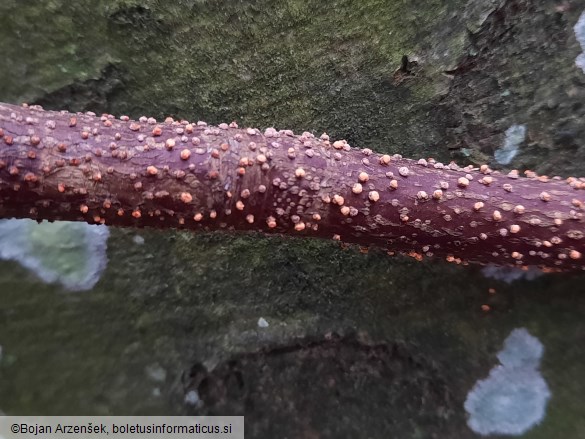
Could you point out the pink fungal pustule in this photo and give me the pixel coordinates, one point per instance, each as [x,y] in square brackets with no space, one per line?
[196,176]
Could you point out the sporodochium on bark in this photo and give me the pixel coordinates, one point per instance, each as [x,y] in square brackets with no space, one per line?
[149,173]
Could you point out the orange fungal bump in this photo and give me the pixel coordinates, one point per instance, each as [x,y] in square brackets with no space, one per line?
[363,177]
[30,177]
[385,159]
[244,161]
[519,209]
[151,170]
[545,196]
[374,196]
[185,154]
[35,140]
[271,222]
[299,173]
[477,206]
[462,182]
[514,228]
[186,197]
[357,188]
[299,227]
[496,215]
[338,199]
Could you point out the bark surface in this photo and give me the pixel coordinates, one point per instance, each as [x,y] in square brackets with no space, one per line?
[116,171]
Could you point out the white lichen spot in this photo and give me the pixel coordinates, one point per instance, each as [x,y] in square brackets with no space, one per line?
[192,397]
[71,253]
[510,274]
[580,35]
[156,372]
[513,398]
[515,135]
[139,240]
[262,323]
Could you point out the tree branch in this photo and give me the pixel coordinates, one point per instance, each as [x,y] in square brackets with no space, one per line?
[81,167]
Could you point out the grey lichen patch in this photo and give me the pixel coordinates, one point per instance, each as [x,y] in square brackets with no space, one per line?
[579,29]
[513,398]
[73,254]
[514,137]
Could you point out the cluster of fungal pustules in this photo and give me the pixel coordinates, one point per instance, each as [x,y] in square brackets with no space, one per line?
[117,171]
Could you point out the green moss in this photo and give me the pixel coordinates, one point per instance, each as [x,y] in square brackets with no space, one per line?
[183,297]
[47,48]
[295,64]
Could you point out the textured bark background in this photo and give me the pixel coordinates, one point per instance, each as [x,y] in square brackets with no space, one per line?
[440,79]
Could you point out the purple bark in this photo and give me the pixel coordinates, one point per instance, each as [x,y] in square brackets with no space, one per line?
[147,173]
